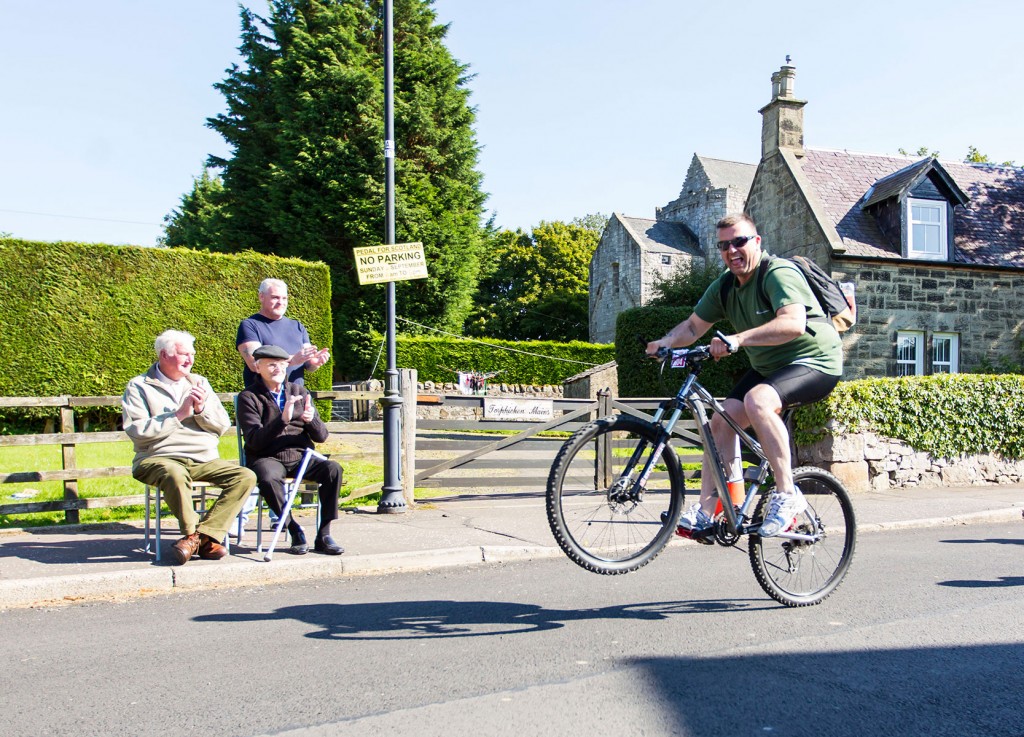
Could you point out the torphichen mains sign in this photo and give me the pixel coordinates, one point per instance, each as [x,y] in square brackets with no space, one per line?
[520,410]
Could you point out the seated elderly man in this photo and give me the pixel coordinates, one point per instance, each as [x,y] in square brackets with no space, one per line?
[175,420]
[278,421]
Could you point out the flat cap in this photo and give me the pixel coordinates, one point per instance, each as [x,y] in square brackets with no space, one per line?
[271,351]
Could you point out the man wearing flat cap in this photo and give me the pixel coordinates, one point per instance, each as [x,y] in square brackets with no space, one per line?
[278,422]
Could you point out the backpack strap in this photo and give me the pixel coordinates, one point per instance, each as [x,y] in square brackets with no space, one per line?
[762,292]
[762,274]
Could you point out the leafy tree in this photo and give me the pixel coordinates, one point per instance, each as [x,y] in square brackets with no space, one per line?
[535,287]
[974,156]
[595,222]
[686,286]
[305,123]
[922,151]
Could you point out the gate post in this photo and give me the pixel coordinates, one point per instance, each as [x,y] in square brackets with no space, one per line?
[407,381]
[67,425]
[603,454]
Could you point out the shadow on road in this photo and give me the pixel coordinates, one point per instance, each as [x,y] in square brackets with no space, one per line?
[929,691]
[441,618]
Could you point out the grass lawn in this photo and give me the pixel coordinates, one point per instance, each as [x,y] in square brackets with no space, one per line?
[359,472]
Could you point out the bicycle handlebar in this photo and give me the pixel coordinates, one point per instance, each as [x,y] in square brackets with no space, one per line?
[692,355]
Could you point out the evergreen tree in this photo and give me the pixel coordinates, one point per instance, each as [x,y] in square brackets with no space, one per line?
[305,123]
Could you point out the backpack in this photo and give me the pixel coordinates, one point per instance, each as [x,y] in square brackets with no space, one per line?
[836,300]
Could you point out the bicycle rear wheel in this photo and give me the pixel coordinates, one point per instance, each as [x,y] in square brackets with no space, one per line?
[798,573]
[600,516]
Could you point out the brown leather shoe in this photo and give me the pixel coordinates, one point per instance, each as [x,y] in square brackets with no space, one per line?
[210,549]
[183,550]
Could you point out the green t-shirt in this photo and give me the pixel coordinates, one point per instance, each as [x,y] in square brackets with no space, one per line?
[784,285]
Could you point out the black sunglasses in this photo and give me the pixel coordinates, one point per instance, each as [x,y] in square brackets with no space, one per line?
[737,242]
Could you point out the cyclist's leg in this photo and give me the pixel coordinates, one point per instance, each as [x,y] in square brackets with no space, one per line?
[726,440]
[789,387]
[728,444]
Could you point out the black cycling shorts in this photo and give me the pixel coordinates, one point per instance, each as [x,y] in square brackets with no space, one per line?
[795,384]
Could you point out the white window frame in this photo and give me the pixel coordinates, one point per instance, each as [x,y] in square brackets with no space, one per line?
[917,250]
[912,365]
[946,364]
[666,259]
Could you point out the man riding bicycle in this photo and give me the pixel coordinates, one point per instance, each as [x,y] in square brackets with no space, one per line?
[791,364]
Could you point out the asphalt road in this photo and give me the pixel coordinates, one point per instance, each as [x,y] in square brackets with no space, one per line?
[925,637]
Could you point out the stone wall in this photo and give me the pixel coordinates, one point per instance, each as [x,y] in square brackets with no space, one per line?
[607,299]
[430,411]
[865,461]
[785,220]
[700,206]
[985,307]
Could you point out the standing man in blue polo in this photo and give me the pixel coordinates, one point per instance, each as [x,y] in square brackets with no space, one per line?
[269,326]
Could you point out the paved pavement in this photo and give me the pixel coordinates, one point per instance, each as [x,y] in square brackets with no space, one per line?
[47,567]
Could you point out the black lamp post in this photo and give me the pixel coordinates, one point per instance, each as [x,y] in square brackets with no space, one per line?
[391,500]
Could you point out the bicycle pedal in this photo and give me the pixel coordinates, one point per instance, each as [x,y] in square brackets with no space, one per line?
[704,537]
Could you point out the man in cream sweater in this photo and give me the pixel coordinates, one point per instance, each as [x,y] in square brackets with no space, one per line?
[175,419]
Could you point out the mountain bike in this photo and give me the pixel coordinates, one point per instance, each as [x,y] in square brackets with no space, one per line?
[616,490]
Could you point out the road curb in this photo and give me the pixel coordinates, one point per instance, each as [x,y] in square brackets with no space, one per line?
[991,515]
[59,590]
[62,590]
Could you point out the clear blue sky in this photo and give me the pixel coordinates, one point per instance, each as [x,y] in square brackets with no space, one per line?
[583,105]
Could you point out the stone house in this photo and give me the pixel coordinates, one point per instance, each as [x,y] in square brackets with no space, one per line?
[935,248]
[635,253]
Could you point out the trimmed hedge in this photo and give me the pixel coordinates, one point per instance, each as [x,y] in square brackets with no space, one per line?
[80,319]
[639,376]
[946,415]
[437,359]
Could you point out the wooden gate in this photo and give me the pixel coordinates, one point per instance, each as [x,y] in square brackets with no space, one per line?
[463,455]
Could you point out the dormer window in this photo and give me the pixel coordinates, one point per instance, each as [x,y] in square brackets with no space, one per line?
[926,231]
[913,208]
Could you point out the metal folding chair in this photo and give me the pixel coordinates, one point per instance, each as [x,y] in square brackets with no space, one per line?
[200,490]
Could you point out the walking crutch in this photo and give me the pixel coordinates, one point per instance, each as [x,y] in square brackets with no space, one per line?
[295,484]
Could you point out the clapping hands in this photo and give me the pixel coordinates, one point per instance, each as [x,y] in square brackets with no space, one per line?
[291,406]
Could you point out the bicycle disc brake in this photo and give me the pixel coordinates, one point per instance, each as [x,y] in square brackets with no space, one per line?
[621,497]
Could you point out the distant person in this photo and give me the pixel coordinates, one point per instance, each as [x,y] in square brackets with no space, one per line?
[269,326]
[278,421]
[175,420]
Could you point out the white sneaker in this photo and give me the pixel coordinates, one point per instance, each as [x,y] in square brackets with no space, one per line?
[695,519]
[783,510]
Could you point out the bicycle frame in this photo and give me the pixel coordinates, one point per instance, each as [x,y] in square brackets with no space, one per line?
[694,397]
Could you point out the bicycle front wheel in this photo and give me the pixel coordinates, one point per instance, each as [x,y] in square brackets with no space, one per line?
[801,573]
[601,514]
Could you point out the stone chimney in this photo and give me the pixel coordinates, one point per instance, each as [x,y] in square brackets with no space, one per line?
[782,119]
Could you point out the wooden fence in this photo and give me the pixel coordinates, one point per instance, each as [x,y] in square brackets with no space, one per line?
[451,453]
[70,474]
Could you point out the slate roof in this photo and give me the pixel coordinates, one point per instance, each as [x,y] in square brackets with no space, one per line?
[724,174]
[658,235]
[989,230]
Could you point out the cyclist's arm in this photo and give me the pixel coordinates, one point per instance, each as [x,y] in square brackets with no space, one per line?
[685,333]
[790,323]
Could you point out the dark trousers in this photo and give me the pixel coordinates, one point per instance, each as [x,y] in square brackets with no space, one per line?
[271,473]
